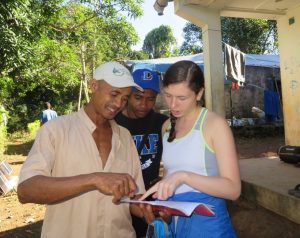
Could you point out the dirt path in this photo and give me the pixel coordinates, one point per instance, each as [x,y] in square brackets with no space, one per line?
[17,220]
[22,221]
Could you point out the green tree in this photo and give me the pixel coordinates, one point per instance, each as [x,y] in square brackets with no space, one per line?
[21,22]
[251,36]
[192,40]
[104,31]
[138,55]
[159,42]
[47,40]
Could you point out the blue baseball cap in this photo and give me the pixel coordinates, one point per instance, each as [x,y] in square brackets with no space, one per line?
[146,79]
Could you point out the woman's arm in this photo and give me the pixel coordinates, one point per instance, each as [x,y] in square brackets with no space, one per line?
[227,185]
[219,138]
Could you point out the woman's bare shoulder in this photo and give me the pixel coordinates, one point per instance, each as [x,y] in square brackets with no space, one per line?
[214,121]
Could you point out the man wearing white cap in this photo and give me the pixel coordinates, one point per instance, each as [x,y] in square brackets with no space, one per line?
[82,162]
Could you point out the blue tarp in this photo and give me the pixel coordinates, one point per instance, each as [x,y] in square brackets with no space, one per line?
[159,67]
[162,64]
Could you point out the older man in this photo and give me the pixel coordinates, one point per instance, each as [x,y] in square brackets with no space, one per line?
[82,162]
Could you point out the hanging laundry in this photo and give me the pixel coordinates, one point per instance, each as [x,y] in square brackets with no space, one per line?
[271,105]
[234,65]
[235,86]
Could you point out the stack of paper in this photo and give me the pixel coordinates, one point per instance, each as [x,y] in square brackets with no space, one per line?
[7,182]
[177,208]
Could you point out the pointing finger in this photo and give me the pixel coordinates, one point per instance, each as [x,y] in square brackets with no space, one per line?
[149,192]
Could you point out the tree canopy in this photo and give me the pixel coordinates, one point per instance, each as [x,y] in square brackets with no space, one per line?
[251,36]
[49,48]
[159,42]
[192,39]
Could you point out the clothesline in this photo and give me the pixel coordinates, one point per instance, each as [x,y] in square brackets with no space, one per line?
[251,57]
[256,86]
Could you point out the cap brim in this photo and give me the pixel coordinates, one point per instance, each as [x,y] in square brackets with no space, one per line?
[124,85]
[138,87]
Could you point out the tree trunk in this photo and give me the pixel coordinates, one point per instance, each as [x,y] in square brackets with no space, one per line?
[84,77]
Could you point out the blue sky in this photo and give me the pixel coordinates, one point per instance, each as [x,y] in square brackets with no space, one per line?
[151,20]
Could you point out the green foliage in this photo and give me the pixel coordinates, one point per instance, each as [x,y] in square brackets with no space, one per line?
[54,78]
[176,52]
[33,127]
[3,135]
[40,50]
[117,41]
[21,22]
[138,55]
[192,36]
[249,35]
[159,42]
[6,84]
[3,138]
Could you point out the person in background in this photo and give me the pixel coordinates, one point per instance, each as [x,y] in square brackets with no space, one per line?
[47,114]
[199,156]
[145,127]
[82,164]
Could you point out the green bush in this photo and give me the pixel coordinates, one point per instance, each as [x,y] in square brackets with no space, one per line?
[3,138]
[33,127]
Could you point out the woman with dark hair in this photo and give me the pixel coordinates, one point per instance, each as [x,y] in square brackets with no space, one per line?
[199,156]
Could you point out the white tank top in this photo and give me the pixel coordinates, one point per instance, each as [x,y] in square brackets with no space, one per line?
[190,153]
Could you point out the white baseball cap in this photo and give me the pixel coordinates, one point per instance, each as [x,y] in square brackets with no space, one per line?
[116,75]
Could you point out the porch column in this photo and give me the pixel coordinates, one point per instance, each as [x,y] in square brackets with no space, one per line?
[210,23]
[289,48]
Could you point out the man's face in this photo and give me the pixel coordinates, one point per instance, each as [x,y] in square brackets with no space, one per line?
[141,103]
[108,100]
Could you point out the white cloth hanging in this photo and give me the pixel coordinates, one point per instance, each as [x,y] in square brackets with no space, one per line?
[234,64]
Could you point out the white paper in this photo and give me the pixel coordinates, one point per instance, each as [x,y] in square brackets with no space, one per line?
[7,182]
[186,207]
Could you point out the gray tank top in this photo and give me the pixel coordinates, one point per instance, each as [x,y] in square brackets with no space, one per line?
[190,153]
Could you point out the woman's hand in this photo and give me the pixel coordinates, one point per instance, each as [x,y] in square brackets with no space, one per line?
[165,188]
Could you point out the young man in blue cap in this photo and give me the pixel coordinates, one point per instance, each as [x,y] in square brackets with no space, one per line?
[145,126]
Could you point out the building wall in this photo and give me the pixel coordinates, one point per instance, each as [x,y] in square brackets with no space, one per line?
[246,97]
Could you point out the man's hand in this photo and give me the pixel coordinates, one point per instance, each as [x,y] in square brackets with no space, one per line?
[147,213]
[143,211]
[116,184]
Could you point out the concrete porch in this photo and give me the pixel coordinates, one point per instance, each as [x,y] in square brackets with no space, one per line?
[266,181]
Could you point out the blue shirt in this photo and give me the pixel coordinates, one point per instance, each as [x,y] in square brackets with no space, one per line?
[47,115]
